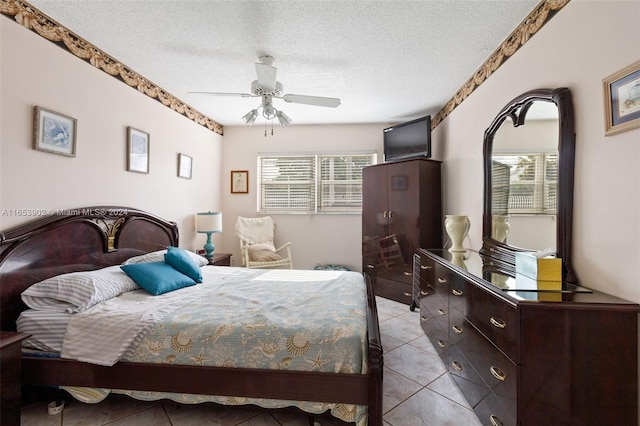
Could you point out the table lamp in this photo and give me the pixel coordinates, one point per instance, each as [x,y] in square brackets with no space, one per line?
[209,223]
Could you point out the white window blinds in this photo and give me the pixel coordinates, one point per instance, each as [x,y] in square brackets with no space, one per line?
[311,183]
[532,184]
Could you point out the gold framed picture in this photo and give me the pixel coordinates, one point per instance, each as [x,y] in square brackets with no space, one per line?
[622,100]
[239,181]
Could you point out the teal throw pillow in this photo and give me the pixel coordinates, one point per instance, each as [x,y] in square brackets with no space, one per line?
[157,277]
[181,261]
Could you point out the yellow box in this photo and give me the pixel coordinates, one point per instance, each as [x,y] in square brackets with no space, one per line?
[539,268]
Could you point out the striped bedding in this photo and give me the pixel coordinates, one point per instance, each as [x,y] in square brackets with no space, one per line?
[277,319]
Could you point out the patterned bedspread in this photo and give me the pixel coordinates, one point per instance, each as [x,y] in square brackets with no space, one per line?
[276,319]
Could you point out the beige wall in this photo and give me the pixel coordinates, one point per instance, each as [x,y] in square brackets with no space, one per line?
[35,72]
[584,43]
[319,238]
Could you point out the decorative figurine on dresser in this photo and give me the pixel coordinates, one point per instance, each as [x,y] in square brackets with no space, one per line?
[401,212]
[528,346]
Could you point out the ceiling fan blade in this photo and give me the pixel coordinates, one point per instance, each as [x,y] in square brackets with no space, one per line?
[312,100]
[241,95]
[266,76]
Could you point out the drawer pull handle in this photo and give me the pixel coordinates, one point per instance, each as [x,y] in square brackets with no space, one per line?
[426,267]
[424,293]
[498,373]
[456,366]
[495,421]
[442,311]
[370,266]
[442,343]
[441,280]
[423,318]
[408,274]
[497,322]
[456,329]
[407,294]
[456,292]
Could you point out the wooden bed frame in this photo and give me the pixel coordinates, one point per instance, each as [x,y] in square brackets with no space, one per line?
[90,238]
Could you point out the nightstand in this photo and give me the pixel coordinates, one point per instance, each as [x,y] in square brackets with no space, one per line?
[10,386]
[220,259]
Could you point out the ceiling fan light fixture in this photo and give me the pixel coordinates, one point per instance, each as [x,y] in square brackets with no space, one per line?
[269,112]
[250,117]
[283,118]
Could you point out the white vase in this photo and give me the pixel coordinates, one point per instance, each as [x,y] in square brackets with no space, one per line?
[500,228]
[457,227]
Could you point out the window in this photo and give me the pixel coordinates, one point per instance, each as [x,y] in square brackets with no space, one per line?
[311,183]
[532,183]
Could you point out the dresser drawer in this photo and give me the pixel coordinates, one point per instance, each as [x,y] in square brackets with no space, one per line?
[495,369]
[464,375]
[495,318]
[435,327]
[494,410]
[395,290]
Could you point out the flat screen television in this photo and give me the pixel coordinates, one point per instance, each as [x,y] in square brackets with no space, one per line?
[408,140]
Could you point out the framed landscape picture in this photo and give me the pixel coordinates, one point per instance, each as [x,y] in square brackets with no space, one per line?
[54,132]
[622,100]
[137,151]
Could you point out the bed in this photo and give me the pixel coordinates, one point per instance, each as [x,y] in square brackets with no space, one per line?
[92,238]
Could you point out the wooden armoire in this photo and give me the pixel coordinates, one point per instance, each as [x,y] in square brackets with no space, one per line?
[401,212]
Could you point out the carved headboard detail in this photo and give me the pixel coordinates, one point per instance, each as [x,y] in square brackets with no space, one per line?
[80,239]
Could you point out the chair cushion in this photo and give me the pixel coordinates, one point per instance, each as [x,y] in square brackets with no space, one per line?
[263,252]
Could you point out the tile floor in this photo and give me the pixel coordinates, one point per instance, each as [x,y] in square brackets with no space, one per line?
[417,391]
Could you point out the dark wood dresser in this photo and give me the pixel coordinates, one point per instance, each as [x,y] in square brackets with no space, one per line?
[10,377]
[525,357]
[401,212]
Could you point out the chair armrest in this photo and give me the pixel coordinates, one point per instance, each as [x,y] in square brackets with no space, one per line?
[285,245]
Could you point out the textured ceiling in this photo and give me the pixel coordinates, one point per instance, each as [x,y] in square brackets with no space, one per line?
[388,61]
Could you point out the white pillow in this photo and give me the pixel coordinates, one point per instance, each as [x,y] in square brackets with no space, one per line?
[158,256]
[78,291]
[263,252]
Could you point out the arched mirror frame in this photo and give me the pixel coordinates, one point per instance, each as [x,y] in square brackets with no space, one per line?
[517,110]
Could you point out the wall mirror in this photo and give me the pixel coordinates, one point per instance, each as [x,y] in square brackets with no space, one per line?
[529,155]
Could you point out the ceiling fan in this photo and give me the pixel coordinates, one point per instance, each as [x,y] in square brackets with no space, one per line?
[268,89]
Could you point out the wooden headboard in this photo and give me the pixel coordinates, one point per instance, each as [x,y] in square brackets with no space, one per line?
[81,239]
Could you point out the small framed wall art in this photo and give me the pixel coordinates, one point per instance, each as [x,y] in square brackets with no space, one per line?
[137,150]
[622,100]
[239,181]
[185,164]
[54,132]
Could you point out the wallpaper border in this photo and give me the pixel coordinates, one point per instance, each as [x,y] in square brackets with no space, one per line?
[539,16]
[34,20]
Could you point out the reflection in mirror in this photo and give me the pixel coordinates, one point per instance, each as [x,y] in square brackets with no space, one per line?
[529,154]
[524,172]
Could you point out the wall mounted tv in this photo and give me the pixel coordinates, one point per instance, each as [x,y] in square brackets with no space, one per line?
[408,140]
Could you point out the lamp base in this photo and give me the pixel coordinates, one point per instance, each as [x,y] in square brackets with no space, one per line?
[209,247]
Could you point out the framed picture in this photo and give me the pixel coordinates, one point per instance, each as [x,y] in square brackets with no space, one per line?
[622,100]
[184,166]
[239,181]
[137,151]
[54,132]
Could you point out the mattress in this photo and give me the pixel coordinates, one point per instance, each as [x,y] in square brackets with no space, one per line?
[47,329]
